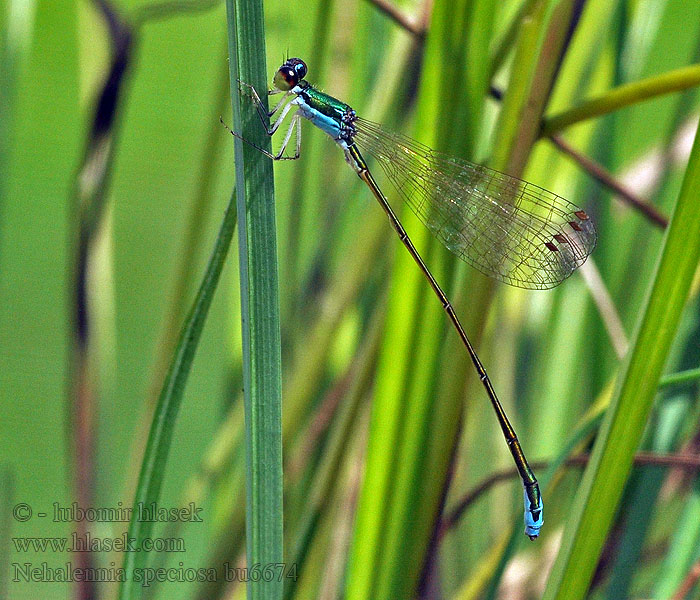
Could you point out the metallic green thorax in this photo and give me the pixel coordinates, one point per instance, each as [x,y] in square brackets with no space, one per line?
[323,103]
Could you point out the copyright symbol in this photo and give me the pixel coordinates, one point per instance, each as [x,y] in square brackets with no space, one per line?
[22,512]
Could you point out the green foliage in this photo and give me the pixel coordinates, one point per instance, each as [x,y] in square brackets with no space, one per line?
[384,428]
[260,319]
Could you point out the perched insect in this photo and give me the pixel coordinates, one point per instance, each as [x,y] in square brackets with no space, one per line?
[506,228]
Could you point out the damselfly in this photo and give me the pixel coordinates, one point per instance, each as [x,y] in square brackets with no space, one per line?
[506,228]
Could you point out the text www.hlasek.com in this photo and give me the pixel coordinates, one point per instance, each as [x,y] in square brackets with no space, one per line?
[90,543]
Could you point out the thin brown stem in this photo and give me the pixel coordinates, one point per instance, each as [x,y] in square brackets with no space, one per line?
[89,198]
[688,582]
[410,24]
[604,176]
[689,462]
[321,421]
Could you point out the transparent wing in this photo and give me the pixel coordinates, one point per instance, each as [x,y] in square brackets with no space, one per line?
[506,228]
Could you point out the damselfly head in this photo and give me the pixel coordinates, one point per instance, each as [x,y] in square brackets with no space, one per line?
[289,74]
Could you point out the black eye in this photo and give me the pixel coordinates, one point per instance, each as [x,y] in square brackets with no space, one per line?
[299,67]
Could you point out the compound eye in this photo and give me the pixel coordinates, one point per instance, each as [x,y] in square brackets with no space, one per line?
[300,68]
[285,78]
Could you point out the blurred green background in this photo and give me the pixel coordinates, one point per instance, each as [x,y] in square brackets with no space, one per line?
[385,426]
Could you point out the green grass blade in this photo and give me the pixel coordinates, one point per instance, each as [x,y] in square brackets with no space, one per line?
[605,477]
[683,549]
[688,376]
[257,240]
[160,436]
[624,95]
[534,66]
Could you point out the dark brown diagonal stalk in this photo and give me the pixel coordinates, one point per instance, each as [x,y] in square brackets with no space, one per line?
[89,200]
[687,584]
[686,462]
[412,25]
[602,175]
